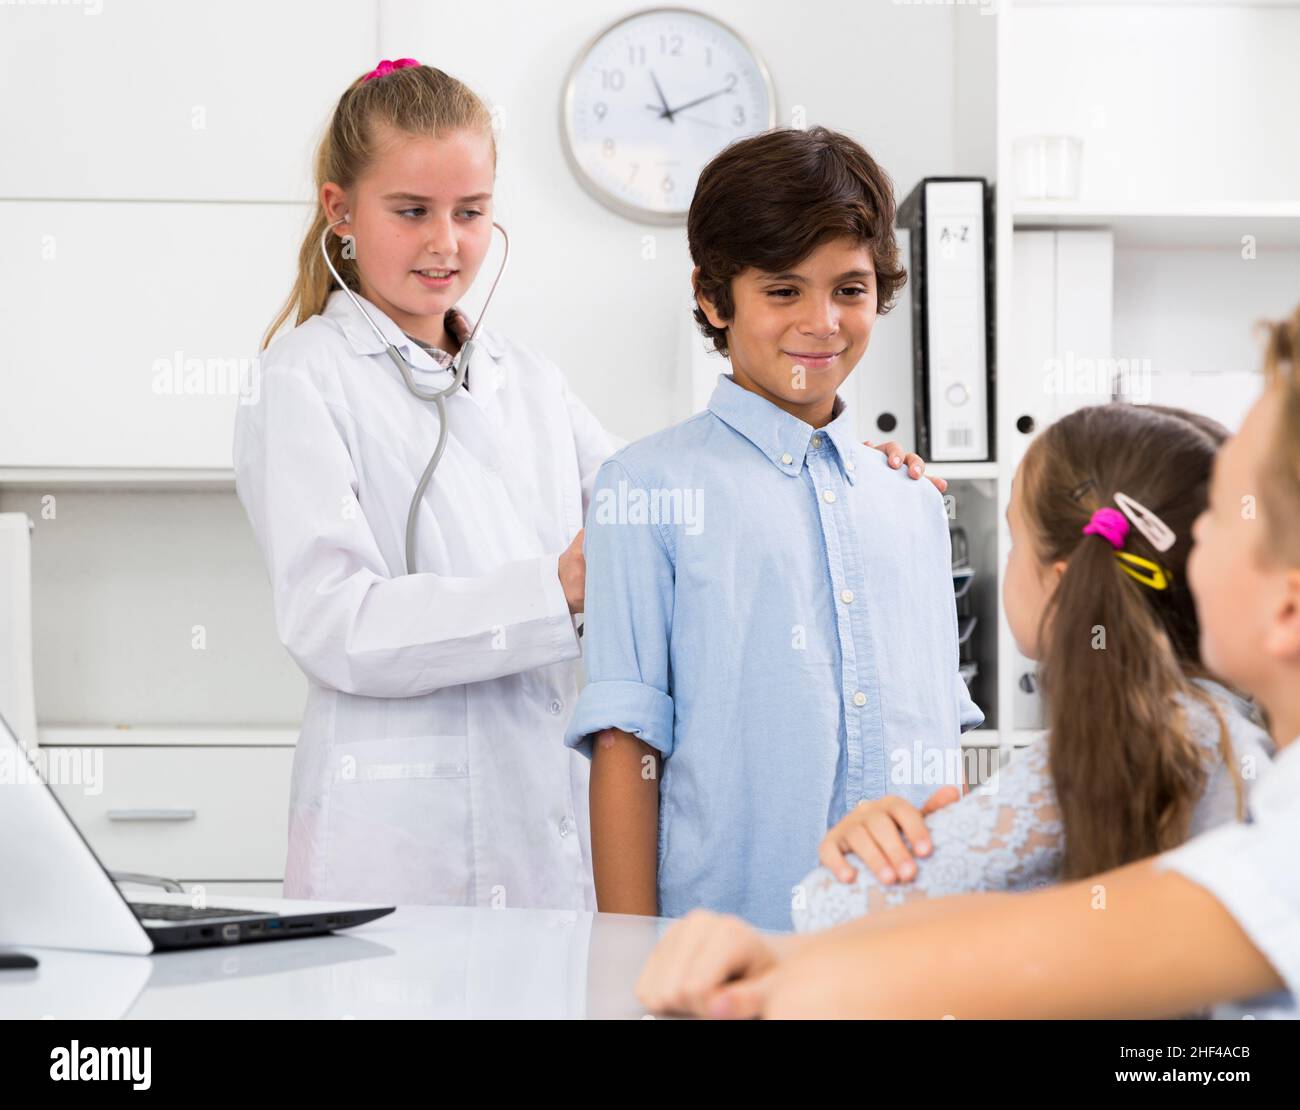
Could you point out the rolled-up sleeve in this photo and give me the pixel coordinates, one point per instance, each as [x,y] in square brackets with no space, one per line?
[969,715]
[628,619]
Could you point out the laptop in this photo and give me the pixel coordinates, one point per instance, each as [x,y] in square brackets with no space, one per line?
[57,893]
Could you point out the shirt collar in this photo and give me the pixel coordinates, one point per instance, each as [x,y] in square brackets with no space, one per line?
[783,438]
[364,341]
[459,327]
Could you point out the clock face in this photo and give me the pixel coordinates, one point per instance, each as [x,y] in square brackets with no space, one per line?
[654,98]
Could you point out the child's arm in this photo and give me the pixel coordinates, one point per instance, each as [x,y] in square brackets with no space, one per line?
[1161,946]
[1214,920]
[624,720]
[1006,835]
[625,823]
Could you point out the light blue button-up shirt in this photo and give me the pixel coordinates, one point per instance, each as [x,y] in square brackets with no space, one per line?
[770,606]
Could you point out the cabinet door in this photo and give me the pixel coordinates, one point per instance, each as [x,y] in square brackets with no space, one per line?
[128,327]
[155,99]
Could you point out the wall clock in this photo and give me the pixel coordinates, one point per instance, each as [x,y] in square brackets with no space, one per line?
[654,97]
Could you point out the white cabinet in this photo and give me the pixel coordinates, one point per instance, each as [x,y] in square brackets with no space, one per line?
[154,191]
[1186,229]
[127,326]
[157,100]
[190,813]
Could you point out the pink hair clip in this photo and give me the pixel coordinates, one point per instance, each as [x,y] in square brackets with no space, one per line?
[384,68]
[1110,524]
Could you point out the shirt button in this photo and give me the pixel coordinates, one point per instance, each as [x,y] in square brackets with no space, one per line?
[846,596]
[817,441]
[566,826]
[859,698]
[556,706]
[849,465]
[828,496]
[787,458]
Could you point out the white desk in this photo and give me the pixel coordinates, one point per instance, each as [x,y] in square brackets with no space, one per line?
[419,962]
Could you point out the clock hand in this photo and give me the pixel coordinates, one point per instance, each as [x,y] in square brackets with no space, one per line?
[704,122]
[693,119]
[697,100]
[667,112]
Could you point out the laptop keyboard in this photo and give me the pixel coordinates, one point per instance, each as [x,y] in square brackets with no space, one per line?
[162,912]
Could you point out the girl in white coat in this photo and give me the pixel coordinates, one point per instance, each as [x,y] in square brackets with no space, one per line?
[430,767]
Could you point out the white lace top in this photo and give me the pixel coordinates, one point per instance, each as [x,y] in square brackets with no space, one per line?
[1007,833]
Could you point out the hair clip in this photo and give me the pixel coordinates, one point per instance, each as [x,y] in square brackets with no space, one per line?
[1157,532]
[1081,489]
[384,68]
[1155,575]
[1110,525]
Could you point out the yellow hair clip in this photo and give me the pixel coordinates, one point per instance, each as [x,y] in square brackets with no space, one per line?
[1155,577]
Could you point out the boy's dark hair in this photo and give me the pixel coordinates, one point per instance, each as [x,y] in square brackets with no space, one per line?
[768,201]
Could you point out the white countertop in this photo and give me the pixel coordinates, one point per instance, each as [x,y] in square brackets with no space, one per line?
[418,962]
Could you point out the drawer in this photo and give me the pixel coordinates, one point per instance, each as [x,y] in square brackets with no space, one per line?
[188,813]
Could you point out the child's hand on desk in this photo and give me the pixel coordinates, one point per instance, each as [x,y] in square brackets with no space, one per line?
[712,965]
[871,832]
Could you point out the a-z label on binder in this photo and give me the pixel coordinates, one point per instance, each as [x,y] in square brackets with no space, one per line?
[951,315]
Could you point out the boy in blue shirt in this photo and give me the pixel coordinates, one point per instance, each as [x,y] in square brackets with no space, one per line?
[771,635]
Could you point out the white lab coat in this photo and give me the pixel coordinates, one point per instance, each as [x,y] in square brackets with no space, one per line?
[430,766]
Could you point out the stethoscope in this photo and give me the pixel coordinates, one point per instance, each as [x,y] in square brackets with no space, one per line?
[459,365]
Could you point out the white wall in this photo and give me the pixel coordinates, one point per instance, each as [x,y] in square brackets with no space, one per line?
[881,72]
[99,134]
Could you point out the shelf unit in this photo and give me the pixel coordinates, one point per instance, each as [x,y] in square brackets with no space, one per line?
[1193,226]
[1153,176]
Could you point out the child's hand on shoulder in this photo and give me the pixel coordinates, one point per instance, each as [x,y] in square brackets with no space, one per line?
[893,451]
[872,833]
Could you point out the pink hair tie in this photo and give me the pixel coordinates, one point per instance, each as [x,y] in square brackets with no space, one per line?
[384,68]
[1110,524]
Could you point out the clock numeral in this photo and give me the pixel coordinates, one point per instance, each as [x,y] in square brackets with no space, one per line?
[636,54]
[667,184]
[611,79]
[599,109]
[738,115]
[632,172]
[607,148]
[670,44]
[708,56]
[731,80]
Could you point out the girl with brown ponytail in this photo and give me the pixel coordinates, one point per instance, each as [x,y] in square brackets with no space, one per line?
[1143,748]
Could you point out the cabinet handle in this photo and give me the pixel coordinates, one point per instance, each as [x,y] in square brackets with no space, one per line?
[152,814]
